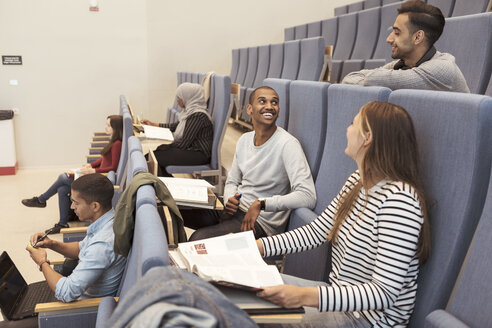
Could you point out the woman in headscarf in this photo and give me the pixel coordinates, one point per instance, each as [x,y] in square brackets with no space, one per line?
[193,134]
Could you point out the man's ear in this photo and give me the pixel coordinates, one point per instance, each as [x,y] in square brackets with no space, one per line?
[96,206]
[419,37]
[249,109]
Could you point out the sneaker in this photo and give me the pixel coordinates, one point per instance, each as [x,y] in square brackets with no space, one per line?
[56,228]
[33,202]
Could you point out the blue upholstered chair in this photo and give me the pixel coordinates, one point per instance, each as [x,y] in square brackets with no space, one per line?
[261,74]
[488,92]
[347,32]
[342,10]
[372,4]
[248,80]
[343,103]
[312,54]
[382,53]
[289,34]
[282,88]
[292,54]
[243,66]
[300,32]
[276,60]
[454,134]
[355,6]
[235,64]
[365,43]
[446,6]
[469,7]
[314,29]
[386,2]
[307,119]
[473,291]
[474,32]
[329,31]
[221,112]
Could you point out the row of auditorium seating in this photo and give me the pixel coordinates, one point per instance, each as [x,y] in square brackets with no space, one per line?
[449,8]
[454,133]
[359,41]
[456,177]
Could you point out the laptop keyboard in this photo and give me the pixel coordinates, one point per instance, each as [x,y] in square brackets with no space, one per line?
[38,292]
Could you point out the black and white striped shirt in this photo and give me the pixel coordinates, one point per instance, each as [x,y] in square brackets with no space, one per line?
[198,134]
[374,263]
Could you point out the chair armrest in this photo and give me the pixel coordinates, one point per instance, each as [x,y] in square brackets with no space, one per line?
[73,230]
[58,261]
[57,306]
[443,319]
[169,225]
[105,310]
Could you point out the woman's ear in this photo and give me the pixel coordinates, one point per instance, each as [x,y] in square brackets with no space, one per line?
[367,139]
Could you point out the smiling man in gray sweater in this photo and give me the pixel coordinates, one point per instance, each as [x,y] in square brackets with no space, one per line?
[269,176]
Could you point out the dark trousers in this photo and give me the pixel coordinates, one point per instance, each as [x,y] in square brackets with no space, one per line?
[211,223]
[168,155]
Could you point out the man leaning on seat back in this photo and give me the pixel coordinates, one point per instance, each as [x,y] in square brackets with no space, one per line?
[269,177]
[419,66]
[99,270]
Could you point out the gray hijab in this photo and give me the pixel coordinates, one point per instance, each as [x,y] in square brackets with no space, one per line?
[192,96]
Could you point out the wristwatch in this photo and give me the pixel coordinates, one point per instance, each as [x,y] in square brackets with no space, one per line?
[262,204]
[40,266]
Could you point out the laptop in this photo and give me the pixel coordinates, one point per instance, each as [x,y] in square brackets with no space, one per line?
[17,298]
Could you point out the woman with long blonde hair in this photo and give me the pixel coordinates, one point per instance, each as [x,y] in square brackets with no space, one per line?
[378,227]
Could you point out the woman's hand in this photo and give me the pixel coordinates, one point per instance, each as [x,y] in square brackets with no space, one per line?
[289,296]
[87,170]
[147,122]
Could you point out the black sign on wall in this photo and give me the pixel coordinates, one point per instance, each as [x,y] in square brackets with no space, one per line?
[12,60]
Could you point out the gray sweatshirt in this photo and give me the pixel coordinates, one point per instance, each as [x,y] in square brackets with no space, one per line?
[438,73]
[276,171]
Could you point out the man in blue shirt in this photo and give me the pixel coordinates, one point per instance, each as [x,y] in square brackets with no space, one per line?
[99,270]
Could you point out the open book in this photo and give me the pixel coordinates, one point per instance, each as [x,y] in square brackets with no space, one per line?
[188,191]
[155,132]
[230,260]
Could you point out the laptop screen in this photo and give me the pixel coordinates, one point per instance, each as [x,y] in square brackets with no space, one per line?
[11,284]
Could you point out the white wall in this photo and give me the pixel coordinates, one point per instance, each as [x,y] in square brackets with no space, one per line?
[77,63]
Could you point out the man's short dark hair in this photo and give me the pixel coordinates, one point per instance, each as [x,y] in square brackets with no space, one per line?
[95,187]
[424,17]
[252,95]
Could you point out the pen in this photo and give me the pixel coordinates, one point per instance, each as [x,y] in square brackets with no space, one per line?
[239,197]
[43,237]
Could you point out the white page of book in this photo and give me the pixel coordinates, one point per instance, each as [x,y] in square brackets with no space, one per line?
[233,258]
[188,190]
[155,132]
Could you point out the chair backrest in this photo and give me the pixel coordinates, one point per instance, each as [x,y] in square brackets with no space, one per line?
[488,92]
[149,246]
[388,16]
[312,54]
[291,59]
[367,33]
[136,163]
[455,178]
[282,88]
[446,6]
[134,144]
[474,32]
[473,290]
[343,103]
[123,104]
[252,67]
[329,31]
[469,7]
[221,113]
[314,29]
[372,4]
[300,32]
[289,34]
[347,31]
[386,2]
[235,64]
[127,132]
[307,119]
[243,65]
[276,60]
[355,6]
[342,10]
[263,63]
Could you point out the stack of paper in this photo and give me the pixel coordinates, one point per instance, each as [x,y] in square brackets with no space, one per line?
[188,190]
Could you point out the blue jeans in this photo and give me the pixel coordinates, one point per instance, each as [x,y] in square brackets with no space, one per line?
[314,318]
[61,187]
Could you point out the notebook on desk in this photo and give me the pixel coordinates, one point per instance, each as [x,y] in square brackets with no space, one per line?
[17,298]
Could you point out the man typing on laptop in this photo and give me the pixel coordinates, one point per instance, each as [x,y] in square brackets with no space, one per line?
[99,269]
